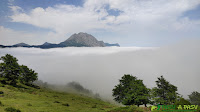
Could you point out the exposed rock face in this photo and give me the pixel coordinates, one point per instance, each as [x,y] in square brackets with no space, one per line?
[83,39]
[102,43]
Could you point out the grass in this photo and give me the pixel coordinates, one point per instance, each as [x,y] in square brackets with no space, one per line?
[131,108]
[28,99]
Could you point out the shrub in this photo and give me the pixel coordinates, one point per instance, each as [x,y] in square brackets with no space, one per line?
[78,87]
[135,108]
[182,101]
[66,104]
[11,109]
[29,104]
[94,106]
[1,85]
[1,104]
[56,102]
[1,92]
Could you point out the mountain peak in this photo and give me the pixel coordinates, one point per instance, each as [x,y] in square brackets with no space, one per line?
[21,45]
[76,40]
[46,43]
[82,39]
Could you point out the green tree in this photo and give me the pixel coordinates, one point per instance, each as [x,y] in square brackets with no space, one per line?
[164,93]
[11,72]
[27,76]
[194,98]
[182,101]
[9,69]
[131,90]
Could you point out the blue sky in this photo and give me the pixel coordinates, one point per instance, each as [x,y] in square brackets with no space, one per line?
[128,22]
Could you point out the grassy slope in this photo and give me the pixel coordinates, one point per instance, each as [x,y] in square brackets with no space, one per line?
[43,100]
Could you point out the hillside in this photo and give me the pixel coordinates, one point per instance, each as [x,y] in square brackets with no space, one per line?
[28,99]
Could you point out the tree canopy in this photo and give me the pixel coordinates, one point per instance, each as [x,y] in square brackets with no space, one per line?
[9,69]
[11,72]
[27,75]
[195,98]
[164,93]
[131,90]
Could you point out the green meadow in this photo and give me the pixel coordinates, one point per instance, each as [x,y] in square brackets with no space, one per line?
[28,99]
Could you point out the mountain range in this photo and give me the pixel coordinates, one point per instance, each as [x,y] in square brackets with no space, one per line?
[76,40]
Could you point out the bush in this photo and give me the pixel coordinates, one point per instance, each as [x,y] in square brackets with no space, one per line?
[135,109]
[1,92]
[29,104]
[1,104]
[11,109]
[132,108]
[1,85]
[195,98]
[66,104]
[94,106]
[79,88]
[182,101]
[56,102]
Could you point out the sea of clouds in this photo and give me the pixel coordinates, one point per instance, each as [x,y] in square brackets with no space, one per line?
[100,68]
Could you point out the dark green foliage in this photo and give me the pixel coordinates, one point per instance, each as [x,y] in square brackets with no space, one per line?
[11,72]
[40,83]
[11,109]
[164,93]
[65,104]
[94,106]
[78,87]
[1,92]
[195,98]
[56,102]
[1,104]
[29,104]
[27,75]
[182,101]
[1,85]
[131,90]
[9,69]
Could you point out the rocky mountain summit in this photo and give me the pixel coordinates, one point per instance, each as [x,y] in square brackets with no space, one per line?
[83,39]
[76,40]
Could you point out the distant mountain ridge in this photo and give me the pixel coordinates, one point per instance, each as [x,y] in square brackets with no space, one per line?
[21,45]
[76,40]
[116,44]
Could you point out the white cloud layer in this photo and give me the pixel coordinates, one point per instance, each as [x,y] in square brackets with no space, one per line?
[100,69]
[94,15]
